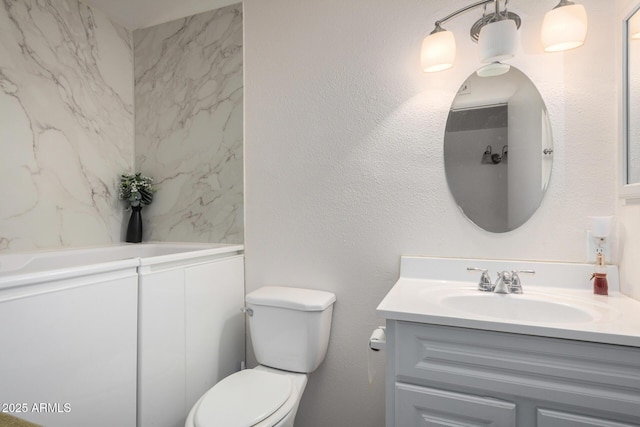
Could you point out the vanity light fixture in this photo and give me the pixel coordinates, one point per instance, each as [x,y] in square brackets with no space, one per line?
[564,27]
[496,32]
[491,158]
[486,156]
[499,158]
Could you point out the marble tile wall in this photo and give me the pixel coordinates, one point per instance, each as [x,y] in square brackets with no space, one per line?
[66,124]
[188,126]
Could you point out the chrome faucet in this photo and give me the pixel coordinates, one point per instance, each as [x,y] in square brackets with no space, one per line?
[507,282]
[503,283]
[510,282]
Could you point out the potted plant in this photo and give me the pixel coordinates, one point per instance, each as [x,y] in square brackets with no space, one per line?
[136,190]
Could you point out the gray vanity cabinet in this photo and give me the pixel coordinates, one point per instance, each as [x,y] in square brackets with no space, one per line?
[450,376]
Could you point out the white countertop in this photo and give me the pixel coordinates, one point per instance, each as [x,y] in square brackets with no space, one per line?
[419,298]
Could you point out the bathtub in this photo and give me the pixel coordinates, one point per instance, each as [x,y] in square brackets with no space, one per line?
[75,262]
[89,336]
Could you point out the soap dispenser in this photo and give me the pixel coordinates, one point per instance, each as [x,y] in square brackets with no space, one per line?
[599,276]
[600,231]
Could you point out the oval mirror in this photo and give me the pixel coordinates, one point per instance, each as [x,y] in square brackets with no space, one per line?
[498,148]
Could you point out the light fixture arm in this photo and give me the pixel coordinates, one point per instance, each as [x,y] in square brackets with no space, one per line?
[486,17]
[464,9]
[564,3]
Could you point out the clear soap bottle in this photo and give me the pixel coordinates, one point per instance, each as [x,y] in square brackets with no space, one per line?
[599,276]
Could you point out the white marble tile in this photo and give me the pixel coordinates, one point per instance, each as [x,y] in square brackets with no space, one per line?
[66,124]
[189,102]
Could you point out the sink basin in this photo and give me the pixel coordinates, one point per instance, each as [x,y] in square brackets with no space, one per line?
[549,306]
[524,308]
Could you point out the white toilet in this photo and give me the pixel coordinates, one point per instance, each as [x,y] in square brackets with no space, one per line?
[290,333]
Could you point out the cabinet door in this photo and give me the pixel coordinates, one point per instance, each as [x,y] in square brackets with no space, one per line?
[214,324]
[161,360]
[70,345]
[422,406]
[548,418]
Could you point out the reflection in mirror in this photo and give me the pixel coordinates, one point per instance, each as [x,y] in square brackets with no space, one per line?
[633,100]
[498,149]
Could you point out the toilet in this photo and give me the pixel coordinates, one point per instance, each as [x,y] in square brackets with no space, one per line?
[290,333]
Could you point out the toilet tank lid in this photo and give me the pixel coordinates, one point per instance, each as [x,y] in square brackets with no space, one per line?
[293,298]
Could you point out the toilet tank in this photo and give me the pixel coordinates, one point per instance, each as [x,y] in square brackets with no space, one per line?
[290,326]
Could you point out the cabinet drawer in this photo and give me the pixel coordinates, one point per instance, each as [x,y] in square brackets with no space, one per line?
[583,374]
[548,418]
[422,406]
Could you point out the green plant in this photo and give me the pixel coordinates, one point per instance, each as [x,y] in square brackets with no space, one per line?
[136,189]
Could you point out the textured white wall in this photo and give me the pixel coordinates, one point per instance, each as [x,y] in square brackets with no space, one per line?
[66,124]
[344,170]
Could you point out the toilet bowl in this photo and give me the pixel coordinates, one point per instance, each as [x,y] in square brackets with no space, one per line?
[290,334]
[258,397]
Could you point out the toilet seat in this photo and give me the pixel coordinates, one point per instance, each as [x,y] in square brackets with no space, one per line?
[243,399]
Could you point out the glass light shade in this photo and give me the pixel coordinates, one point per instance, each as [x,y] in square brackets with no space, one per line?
[493,69]
[564,28]
[498,41]
[601,226]
[438,51]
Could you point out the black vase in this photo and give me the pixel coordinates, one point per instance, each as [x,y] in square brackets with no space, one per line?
[134,230]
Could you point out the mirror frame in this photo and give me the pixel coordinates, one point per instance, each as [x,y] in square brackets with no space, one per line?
[627,191]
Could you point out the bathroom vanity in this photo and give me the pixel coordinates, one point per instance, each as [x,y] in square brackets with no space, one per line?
[551,357]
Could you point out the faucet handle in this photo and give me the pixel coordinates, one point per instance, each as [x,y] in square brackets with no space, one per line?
[484,284]
[516,282]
